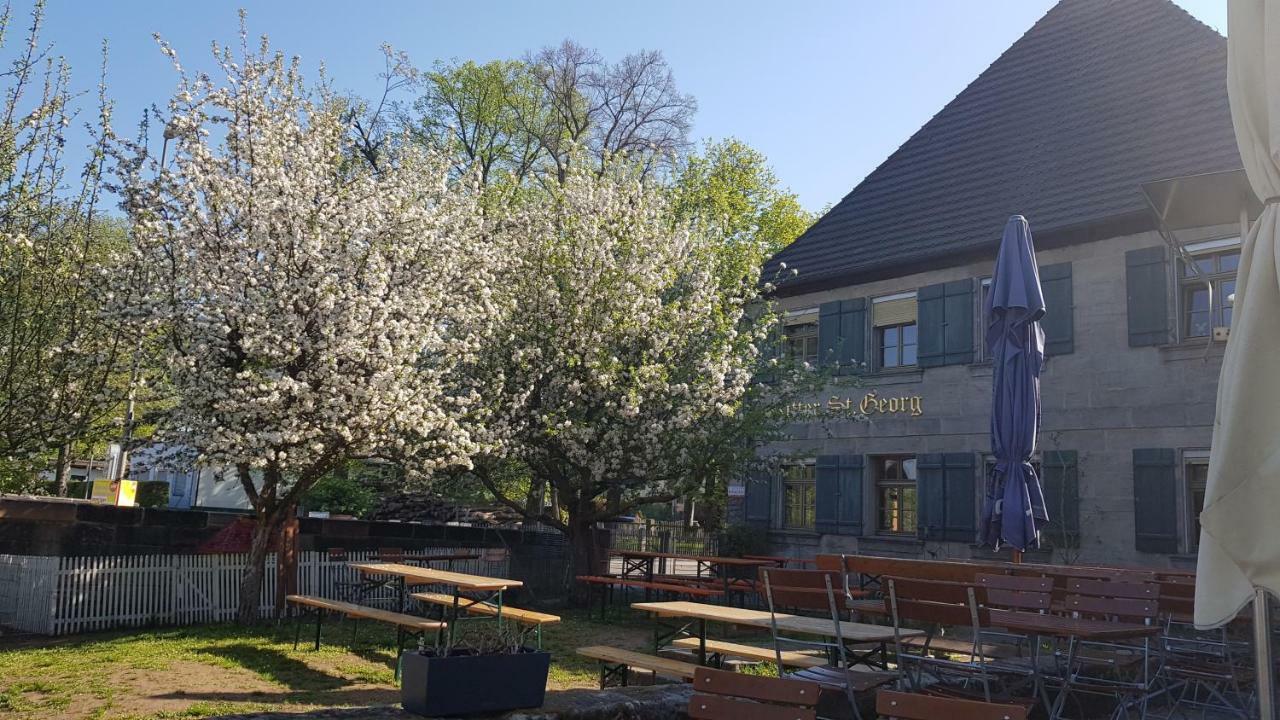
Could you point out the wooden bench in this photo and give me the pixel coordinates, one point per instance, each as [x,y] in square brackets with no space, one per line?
[531,618]
[606,583]
[790,658]
[893,705]
[412,624]
[615,662]
[722,695]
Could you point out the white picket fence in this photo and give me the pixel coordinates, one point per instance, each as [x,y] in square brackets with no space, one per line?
[58,596]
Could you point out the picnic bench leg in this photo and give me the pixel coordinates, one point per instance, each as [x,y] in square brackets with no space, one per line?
[399,650]
[702,641]
[319,620]
[453,615]
[297,626]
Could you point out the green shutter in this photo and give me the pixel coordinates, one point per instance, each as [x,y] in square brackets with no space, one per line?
[849,495]
[946,497]
[1146,285]
[842,333]
[1061,482]
[1058,323]
[958,331]
[1155,500]
[826,494]
[931,496]
[945,323]
[759,499]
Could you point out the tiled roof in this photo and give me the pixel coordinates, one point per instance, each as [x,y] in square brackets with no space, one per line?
[1096,98]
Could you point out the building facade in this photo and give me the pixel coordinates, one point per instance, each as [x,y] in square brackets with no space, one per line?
[1107,126]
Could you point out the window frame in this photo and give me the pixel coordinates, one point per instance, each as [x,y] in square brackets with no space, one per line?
[1188,283]
[880,483]
[1191,513]
[899,348]
[809,486]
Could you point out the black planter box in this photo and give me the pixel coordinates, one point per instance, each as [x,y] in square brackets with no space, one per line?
[464,683]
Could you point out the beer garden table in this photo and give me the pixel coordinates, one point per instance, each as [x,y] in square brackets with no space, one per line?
[1073,630]
[402,574]
[640,563]
[702,613]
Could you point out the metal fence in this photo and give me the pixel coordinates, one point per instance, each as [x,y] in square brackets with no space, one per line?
[61,595]
[666,537]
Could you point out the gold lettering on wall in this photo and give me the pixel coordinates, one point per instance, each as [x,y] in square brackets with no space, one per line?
[869,404]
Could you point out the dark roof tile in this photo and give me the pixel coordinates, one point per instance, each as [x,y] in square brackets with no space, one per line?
[1096,98]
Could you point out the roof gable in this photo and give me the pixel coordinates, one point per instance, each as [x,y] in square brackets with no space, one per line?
[1096,98]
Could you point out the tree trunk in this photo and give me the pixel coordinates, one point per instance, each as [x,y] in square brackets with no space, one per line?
[63,470]
[265,524]
[287,560]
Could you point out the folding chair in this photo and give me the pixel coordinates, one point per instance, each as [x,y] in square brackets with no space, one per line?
[1208,670]
[1125,670]
[892,705]
[816,591]
[724,695]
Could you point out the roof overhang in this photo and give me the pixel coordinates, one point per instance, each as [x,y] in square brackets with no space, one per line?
[1196,201]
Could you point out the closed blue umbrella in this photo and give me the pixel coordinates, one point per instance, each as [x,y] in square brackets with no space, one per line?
[1014,508]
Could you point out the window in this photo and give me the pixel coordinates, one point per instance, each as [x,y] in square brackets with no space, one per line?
[894,319]
[1196,472]
[801,341]
[798,496]
[897,345]
[895,477]
[1214,263]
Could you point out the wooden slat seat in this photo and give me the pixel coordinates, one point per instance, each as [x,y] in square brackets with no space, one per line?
[613,659]
[893,705]
[411,622]
[524,617]
[692,591]
[858,681]
[722,695]
[790,658]
[960,647]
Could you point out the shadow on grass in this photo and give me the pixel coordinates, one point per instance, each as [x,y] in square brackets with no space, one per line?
[330,698]
[276,666]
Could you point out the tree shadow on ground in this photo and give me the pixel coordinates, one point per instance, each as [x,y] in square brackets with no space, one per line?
[276,666]
[334,698]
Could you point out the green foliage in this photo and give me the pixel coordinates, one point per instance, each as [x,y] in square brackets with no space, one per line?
[152,494]
[739,540]
[345,492]
[730,185]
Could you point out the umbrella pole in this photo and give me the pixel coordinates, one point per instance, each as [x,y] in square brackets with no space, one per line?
[1262,654]
[1017,557]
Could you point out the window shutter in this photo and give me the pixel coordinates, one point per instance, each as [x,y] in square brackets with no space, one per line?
[945,323]
[826,494]
[849,495]
[931,495]
[1061,483]
[842,332]
[1146,284]
[1155,500]
[1058,322]
[759,499]
[946,497]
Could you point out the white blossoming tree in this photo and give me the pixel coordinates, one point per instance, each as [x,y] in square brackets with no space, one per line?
[316,309]
[627,375]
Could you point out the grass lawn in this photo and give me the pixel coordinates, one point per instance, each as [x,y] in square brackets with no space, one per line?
[218,669]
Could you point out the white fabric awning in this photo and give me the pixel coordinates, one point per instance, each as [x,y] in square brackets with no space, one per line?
[1240,538]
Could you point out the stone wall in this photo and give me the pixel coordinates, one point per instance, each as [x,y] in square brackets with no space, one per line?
[1102,400]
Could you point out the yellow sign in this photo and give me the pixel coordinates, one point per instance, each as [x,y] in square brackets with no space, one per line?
[115,492]
[870,404]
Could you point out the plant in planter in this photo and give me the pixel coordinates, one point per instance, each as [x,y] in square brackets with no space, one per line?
[494,671]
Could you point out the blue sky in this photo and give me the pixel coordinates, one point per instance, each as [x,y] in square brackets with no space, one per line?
[825,89]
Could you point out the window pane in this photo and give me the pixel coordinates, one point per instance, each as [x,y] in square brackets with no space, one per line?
[890,469]
[909,509]
[890,357]
[890,336]
[909,468]
[1198,324]
[909,354]
[1205,265]
[1228,262]
[909,334]
[1198,300]
[1226,289]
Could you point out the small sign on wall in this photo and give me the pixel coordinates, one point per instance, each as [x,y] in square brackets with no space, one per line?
[737,491]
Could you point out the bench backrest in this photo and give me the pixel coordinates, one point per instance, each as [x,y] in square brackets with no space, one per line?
[894,705]
[933,602]
[1009,592]
[389,554]
[1134,602]
[872,566]
[724,695]
[803,589]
